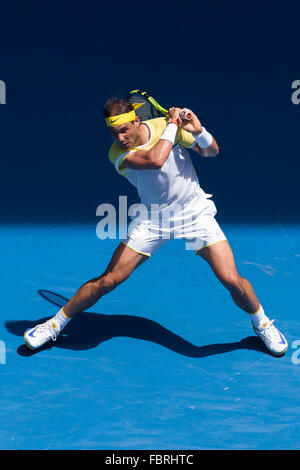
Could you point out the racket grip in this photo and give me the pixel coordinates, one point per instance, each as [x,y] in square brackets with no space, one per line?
[185,114]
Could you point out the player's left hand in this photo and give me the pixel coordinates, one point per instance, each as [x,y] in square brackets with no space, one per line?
[191,125]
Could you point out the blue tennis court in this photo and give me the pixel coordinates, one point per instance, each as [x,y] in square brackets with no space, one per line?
[156,364]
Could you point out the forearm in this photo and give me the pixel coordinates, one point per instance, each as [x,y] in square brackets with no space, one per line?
[159,153]
[148,159]
[206,145]
[211,151]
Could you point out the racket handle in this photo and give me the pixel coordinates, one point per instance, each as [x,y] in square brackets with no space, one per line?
[185,114]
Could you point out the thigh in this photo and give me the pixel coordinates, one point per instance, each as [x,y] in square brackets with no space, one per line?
[125,260]
[220,258]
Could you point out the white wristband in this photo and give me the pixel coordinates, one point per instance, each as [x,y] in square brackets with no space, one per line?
[204,139]
[170,132]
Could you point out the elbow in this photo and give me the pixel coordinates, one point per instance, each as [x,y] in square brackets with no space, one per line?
[153,164]
[209,153]
[158,157]
[156,163]
[214,151]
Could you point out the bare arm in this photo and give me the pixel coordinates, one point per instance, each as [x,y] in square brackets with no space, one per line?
[148,159]
[194,126]
[211,151]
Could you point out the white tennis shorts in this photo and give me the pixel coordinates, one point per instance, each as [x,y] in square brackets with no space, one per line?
[193,222]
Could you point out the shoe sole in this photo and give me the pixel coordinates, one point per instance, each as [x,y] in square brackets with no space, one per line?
[279,354]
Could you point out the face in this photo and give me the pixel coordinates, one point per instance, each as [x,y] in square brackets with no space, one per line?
[125,134]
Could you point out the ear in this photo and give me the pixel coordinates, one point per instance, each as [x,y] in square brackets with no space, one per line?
[136,122]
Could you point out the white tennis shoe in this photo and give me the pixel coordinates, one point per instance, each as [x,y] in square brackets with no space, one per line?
[272,337]
[39,335]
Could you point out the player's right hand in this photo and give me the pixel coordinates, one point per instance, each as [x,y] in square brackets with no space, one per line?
[174,113]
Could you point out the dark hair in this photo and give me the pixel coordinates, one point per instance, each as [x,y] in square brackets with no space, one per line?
[115,106]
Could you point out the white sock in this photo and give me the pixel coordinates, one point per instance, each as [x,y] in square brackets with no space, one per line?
[259,319]
[60,320]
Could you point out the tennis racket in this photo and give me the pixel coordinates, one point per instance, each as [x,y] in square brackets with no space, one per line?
[152,109]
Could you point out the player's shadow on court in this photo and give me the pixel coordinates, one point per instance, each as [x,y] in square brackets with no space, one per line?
[88,330]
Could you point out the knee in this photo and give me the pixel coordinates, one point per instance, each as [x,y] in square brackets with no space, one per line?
[234,282]
[107,282]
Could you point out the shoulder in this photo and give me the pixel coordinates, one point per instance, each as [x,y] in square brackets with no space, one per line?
[157,125]
[115,152]
[116,155]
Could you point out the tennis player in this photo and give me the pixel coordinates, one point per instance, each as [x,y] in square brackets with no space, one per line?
[152,155]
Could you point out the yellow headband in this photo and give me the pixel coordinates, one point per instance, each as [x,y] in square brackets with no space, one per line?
[122,118]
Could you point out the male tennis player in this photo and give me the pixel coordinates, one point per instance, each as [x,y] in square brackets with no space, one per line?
[152,156]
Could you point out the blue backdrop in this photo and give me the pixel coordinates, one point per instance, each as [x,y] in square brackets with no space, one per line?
[232,63]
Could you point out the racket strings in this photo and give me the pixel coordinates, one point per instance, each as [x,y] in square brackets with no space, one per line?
[147,111]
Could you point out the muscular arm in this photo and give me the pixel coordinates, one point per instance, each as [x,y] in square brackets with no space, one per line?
[158,154]
[211,151]
[194,126]
[148,159]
